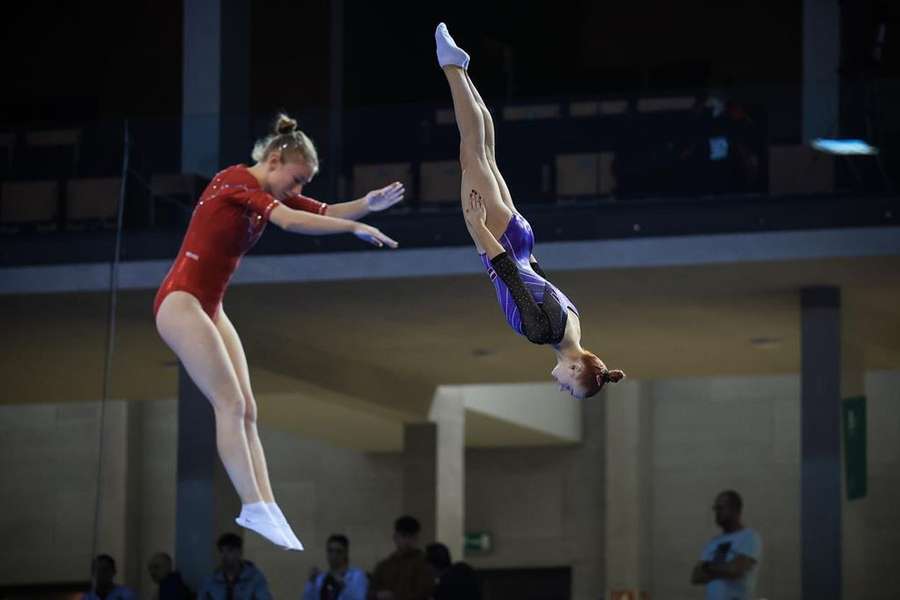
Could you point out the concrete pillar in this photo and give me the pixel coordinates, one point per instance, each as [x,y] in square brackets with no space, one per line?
[434,472]
[206,503]
[448,413]
[820,405]
[336,93]
[587,501]
[420,476]
[628,445]
[215,85]
[821,59]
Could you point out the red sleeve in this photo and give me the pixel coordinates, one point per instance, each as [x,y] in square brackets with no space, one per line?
[256,200]
[239,187]
[300,202]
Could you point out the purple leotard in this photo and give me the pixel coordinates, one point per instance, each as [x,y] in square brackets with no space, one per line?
[518,241]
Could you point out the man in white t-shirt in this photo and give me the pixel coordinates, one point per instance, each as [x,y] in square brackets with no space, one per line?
[730,561]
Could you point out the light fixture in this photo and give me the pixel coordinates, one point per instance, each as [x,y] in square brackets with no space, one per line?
[843,147]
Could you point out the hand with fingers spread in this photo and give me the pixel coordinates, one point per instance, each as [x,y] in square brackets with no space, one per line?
[374,236]
[386,197]
[475,212]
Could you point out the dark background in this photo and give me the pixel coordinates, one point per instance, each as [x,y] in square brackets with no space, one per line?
[81,61]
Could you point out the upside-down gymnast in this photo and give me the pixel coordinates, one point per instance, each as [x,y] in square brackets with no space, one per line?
[227,221]
[533,306]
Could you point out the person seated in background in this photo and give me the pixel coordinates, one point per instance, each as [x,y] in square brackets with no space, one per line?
[404,575]
[170,586]
[452,581]
[341,581]
[103,572]
[236,578]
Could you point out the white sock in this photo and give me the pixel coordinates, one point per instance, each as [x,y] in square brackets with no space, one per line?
[275,511]
[255,511]
[448,52]
[256,517]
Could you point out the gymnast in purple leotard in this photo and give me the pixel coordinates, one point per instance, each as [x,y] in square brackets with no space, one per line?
[534,307]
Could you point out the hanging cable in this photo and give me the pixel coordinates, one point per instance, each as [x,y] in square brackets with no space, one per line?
[110,341]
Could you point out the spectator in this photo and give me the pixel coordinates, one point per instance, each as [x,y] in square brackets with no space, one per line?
[169,582]
[452,581]
[729,563]
[341,582]
[404,575]
[236,578]
[103,571]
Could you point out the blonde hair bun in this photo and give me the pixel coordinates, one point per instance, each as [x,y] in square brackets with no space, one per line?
[284,124]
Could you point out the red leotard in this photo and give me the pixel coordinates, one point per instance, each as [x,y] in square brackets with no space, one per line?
[227,221]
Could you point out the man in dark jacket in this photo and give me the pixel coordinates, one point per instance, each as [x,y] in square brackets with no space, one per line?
[236,578]
[171,586]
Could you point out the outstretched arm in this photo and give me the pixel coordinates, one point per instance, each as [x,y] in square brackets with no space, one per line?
[374,201]
[298,221]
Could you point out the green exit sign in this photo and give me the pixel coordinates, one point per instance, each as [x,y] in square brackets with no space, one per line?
[477,542]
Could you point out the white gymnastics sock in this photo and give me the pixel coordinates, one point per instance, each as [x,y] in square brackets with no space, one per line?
[257,517]
[448,52]
[285,526]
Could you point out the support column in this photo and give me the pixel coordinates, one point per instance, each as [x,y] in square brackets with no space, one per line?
[215,85]
[586,493]
[420,476]
[336,106]
[434,472]
[820,405]
[448,413]
[206,502]
[821,60]
[628,433]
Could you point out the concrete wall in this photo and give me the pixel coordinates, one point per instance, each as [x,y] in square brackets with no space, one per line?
[48,478]
[544,506]
[871,524]
[325,490]
[48,460]
[743,433]
[713,434]
[48,491]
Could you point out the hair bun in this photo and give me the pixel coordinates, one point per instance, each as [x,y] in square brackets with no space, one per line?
[284,124]
[615,376]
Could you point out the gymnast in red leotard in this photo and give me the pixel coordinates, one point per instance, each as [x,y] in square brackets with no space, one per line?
[228,220]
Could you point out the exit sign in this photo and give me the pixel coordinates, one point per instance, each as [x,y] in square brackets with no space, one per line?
[478,542]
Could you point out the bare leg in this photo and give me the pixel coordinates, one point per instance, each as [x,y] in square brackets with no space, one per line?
[257,455]
[476,171]
[490,145]
[191,334]
[239,361]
